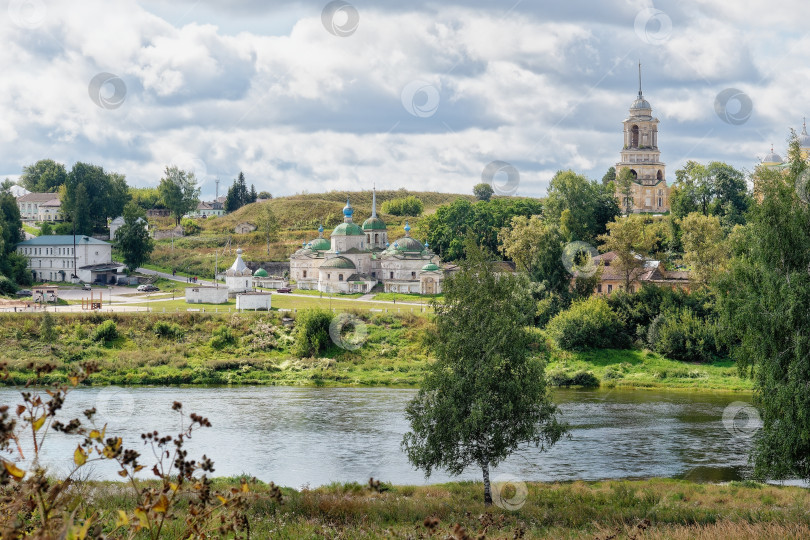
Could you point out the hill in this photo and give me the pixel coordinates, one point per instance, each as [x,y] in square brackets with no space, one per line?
[307,211]
[299,217]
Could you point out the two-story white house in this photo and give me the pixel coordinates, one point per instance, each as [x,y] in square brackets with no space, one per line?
[40,207]
[209,209]
[70,258]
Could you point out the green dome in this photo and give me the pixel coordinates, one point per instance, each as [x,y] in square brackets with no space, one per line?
[261,272]
[408,245]
[320,244]
[430,267]
[374,224]
[339,262]
[348,229]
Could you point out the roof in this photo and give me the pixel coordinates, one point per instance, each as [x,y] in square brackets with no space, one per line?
[773,157]
[408,244]
[261,272]
[348,229]
[37,197]
[320,244]
[338,262]
[360,277]
[53,203]
[430,267]
[652,271]
[62,240]
[102,267]
[374,224]
[239,267]
[640,103]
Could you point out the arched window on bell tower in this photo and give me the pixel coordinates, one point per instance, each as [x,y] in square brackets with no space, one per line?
[634,173]
[634,137]
[660,175]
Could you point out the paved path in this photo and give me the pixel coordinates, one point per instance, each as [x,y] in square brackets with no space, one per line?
[181,279]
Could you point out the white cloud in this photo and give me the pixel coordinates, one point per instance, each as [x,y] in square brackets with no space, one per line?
[297,108]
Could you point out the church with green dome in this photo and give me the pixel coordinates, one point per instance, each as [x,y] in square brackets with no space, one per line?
[356,258]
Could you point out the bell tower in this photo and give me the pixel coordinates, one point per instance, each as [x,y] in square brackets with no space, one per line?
[640,154]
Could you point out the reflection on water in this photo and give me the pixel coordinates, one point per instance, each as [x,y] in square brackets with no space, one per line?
[298,436]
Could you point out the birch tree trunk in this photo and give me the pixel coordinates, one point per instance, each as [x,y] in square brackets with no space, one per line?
[487,488]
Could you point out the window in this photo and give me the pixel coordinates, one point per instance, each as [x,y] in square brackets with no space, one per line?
[634,137]
[328,276]
[610,289]
[340,277]
[374,274]
[376,238]
[392,275]
[660,201]
[305,274]
[413,275]
[599,288]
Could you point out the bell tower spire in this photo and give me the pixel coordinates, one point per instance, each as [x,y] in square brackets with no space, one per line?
[640,156]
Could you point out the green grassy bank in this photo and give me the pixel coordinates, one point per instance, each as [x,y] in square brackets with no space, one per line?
[649,509]
[255,348]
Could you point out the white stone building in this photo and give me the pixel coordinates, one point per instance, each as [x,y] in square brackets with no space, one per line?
[70,258]
[238,278]
[118,222]
[254,301]
[40,207]
[356,258]
[209,209]
[206,295]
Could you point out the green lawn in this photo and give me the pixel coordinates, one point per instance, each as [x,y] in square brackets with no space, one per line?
[413,298]
[288,302]
[631,368]
[326,295]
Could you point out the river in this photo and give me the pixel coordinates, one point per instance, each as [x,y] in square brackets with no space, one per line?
[315,436]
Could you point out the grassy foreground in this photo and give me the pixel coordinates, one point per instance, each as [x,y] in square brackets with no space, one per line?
[648,509]
[631,368]
[255,348]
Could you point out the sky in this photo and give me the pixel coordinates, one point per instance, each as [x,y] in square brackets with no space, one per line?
[314,96]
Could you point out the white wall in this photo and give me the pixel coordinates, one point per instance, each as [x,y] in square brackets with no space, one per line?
[253,301]
[206,295]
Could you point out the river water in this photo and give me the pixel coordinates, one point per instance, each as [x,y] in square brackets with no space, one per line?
[315,436]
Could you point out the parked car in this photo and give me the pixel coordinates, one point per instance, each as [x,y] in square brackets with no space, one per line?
[86,287]
[24,292]
[148,287]
[284,290]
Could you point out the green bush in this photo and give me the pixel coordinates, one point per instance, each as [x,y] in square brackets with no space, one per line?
[105,332]
[169,331]
[47,330]
[222,337]
[585,379]
[7,286]
[407,206]
[311,332]
[547,308]
[190,226]
[680,335]
[587,324]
